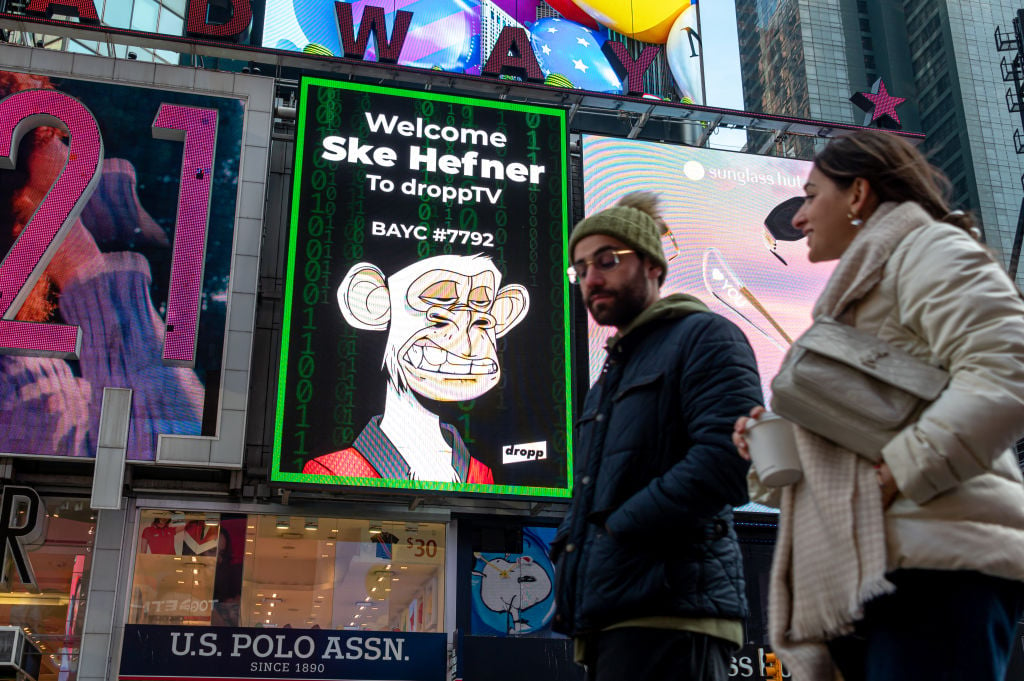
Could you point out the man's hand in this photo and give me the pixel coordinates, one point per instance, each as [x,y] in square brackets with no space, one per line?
[739,431]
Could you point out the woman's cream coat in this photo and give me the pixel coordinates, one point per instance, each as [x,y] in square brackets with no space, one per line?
[961,504]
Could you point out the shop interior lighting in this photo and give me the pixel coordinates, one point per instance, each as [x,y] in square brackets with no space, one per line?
[375,529]
[283,522]
[212,519]
[312,525]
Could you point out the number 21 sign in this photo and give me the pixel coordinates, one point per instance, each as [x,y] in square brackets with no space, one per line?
[117,207]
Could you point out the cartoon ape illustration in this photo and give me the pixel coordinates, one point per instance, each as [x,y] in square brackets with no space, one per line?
[445,315]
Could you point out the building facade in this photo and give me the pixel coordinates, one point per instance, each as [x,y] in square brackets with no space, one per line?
[227,470]
[940,56]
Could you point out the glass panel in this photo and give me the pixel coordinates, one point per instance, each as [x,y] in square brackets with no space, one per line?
[60,555]
[145,15]
[117,13]
[171,24]
[289,572]
[176,568]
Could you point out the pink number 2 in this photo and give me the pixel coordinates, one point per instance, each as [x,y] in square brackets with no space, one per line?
[21,113]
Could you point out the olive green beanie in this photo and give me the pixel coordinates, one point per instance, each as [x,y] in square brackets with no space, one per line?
[631,226]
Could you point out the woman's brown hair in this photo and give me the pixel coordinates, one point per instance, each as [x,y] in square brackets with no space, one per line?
[894,168]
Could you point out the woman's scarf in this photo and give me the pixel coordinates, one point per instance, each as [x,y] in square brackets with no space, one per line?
[830,554]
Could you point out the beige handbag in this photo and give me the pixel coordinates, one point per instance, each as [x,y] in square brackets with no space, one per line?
[853,388]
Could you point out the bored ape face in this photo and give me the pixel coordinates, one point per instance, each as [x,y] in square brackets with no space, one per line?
[445,316]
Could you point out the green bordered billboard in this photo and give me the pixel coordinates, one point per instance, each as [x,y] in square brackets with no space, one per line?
[425,340]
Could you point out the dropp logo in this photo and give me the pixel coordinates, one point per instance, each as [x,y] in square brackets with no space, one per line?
[531,451]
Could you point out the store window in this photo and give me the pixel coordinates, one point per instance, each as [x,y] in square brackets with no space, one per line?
[211,569]
[51,612]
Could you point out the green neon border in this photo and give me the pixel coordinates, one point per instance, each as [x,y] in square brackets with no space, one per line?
[334,482]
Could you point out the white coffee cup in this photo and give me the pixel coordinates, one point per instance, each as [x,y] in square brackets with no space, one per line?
[773,450]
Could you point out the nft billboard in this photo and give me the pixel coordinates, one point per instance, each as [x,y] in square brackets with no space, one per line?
[425,340]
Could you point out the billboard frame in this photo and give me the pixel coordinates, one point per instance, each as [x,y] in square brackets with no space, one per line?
[525,492]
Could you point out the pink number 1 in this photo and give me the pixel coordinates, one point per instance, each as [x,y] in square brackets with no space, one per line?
[21,113]
[197,128]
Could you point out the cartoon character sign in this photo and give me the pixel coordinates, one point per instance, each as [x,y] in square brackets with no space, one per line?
[512,593]
[445,315]
[426,319]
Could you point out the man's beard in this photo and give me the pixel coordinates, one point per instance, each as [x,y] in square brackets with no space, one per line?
[626,303]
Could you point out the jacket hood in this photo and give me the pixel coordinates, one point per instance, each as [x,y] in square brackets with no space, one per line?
[670,307]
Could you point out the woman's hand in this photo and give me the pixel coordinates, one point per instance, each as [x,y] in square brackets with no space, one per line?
[740,429]
[887,483]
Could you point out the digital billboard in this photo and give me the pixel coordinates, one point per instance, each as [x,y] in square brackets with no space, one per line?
[731,245]
[117,216]
[425,340]
[562,43]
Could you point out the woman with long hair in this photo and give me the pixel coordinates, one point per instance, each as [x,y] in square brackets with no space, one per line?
[911,567]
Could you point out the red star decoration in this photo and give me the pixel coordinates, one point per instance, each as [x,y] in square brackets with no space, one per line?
[879,105]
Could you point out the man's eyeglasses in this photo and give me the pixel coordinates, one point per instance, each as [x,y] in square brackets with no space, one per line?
[604,260]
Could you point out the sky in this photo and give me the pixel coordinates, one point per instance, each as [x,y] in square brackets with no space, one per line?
[723,84]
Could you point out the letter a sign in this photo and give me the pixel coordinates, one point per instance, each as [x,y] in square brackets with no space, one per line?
[20,510]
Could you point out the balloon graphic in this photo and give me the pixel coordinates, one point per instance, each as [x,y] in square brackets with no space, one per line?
[573,53]
[683,50]
[571,12]
[648,20]
[444,34]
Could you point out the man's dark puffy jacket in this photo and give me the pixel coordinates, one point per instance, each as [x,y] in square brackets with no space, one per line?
[656,467]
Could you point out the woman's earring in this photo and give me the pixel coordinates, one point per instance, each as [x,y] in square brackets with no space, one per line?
[855,221]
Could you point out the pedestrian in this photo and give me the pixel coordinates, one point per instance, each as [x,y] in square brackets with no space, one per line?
[649,579]
[909,567]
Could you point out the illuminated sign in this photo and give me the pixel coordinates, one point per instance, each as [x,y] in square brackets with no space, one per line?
[153,652]
[117,211]
[580,47]
[734,247]
[425,339]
